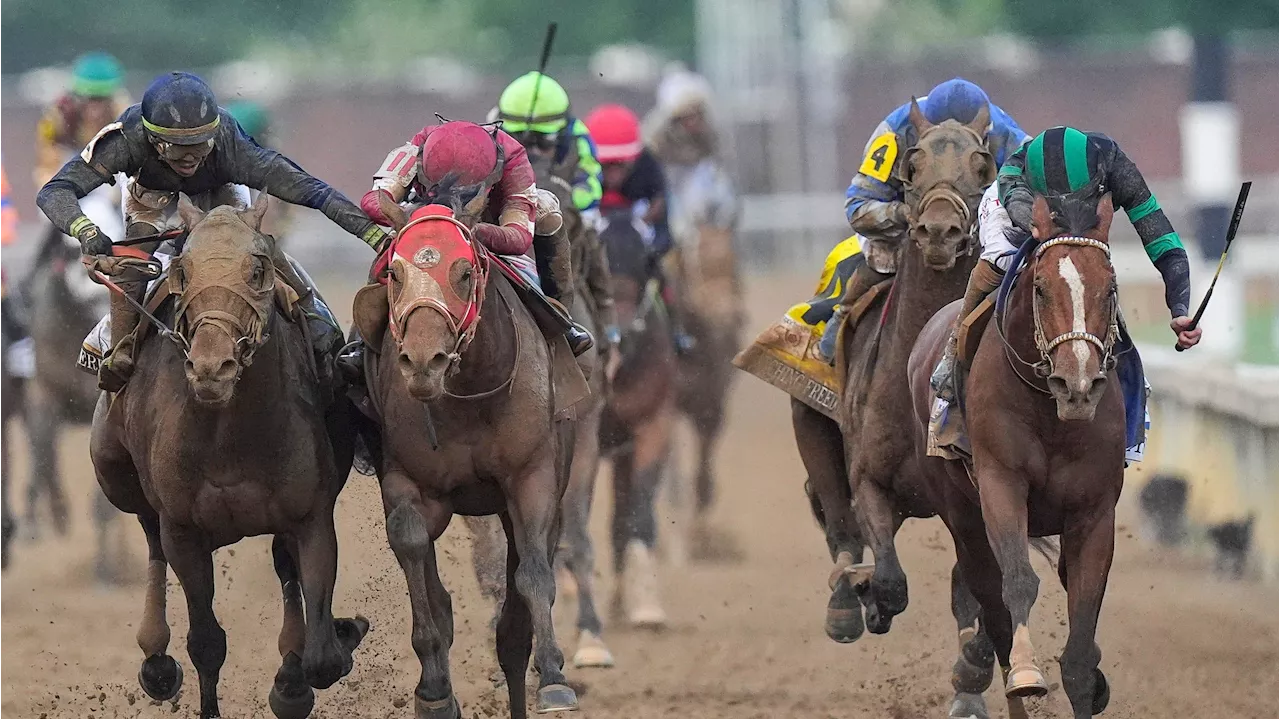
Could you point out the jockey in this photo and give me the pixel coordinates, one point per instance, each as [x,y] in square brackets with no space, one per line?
[874,203]
[634,180]
[96,98]
[549,131]
[680,129]
[177,140]
[496,164]
[1065,161]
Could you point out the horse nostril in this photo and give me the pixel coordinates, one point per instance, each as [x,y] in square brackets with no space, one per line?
[1057,385]
[438,363]
[404,363]
[226,371]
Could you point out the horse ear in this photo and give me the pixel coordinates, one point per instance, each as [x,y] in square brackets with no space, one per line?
[981,120]
[1041,219]
[1106,211]
[190,214]
[917,118]
[253,215]
[392,211]
[370,310]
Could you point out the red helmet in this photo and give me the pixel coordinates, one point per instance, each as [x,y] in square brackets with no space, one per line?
[616,132]
[463,149]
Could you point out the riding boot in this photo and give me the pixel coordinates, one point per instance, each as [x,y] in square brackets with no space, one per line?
[863,279]
[984,280]
[326,333]
[117,366]
[555,271]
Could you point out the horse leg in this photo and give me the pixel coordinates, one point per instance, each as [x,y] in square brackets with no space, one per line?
[975,596]
[641,596]
[533,508]
[291,697]
[7,524]
[886,595]
[578,552]
[412,528]
[160,675]
[42,435]
[1088,545]
[822,450]
[514,634]
[206,641]
[1004,510]
[620,529]
[329,643]
[488,552]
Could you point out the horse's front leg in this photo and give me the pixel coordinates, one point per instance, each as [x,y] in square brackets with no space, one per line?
[577,550]
[1003,492]
[160,675]
[188,553]
[533,506]
[413,525]
[291,696]
[1088,545]
[822,452]
[326,658]
[886,594]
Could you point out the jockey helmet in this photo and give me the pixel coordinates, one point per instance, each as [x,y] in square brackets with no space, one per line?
[1063,160]
[462,153]
[616,132]
[956,99]
[251,116]
[180,108]
[518,112]
[96,74]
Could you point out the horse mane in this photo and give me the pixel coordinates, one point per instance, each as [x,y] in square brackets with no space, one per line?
[1076,215]
[628,255]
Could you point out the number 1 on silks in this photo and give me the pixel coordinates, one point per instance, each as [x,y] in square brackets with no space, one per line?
[1231,235]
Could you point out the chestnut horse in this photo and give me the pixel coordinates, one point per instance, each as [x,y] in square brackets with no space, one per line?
[1046,423]
[462,380]
[227,433]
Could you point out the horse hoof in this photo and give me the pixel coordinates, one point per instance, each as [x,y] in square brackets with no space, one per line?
[438,709]
[1026,682]
[351,632]
[878,622]
[160,677]
[556,698]
[1101,692]
[592,652]
[968,706]
[844,614]
[970,677]
[291,705]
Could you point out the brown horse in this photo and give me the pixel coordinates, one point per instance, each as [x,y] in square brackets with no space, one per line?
[711,302]
[637,423]
[1048,450]
[226,433]
[575,557]
[944,175]
[462,380]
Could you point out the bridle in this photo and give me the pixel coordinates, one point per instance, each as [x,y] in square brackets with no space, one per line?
[248,337]
[1105,345]
[946,192]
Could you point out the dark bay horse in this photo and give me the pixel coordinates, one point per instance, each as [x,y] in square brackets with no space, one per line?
[225,433]
[944,174]
[575,557]
[1046,423]
[463,382]
[637,424]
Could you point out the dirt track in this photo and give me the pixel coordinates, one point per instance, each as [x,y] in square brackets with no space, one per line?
[746,639]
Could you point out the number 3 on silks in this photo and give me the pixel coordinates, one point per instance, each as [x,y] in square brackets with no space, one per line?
[881,154]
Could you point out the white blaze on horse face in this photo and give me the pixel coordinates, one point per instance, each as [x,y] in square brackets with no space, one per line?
[1075,283]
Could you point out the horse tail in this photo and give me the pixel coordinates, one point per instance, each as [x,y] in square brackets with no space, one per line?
[1049,548]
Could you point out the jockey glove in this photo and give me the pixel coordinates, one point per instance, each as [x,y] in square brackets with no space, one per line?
[92,240]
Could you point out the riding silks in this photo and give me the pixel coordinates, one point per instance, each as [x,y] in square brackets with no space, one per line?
[786,354]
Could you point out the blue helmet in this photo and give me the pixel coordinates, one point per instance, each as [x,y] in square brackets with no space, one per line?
[180,108]
[956,99]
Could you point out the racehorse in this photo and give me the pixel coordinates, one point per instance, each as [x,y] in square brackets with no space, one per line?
[463,383]
[638,419]
[1047,432]
[225,432]
[575,557]
[943,174]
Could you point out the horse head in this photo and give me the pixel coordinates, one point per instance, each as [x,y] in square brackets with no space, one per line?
[630,268]
[1074,303]
[432,264]
[224,281]
[944,174]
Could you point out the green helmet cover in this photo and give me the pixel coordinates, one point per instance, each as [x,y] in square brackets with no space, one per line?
[96,74]
[517,110]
